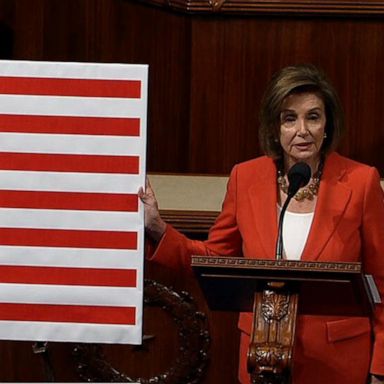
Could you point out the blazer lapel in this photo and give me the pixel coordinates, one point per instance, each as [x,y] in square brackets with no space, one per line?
[263,200]
[332,202]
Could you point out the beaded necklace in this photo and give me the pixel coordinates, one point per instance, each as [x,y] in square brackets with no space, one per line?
[307,192]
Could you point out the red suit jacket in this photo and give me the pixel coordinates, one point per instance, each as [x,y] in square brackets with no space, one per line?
[348,225]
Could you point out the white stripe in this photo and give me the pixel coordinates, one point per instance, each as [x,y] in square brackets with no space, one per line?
[71,257]
[110,71]
[70,295]
[70,182]
[71,332]
[72,106]
[68,219]
[71,144]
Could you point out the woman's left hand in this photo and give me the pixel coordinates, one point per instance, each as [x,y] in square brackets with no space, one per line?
[377,379]
[154,224]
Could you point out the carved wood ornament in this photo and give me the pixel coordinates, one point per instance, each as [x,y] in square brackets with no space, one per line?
[273,334]
[189,366]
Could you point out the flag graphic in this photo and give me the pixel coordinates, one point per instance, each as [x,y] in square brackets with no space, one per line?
[72,158]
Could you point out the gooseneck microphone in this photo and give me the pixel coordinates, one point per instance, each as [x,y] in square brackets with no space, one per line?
[298,176]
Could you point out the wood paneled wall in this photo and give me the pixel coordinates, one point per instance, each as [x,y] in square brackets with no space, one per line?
[209,64]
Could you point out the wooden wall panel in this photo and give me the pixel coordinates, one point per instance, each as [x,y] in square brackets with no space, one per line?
[129,32]
[233,59]
[116,31]
[208,70]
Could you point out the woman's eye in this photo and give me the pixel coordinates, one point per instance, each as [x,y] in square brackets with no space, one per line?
[314,116]
[289,119]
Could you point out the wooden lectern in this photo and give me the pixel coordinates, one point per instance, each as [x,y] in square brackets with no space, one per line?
[276,291]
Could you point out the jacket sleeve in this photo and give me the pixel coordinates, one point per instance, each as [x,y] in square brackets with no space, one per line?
[175,249]
[373,259]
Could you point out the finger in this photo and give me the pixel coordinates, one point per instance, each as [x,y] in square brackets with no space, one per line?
[147,183]
[144,197]
[148,188]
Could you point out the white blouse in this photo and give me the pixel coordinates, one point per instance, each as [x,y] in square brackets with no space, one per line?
[296,228]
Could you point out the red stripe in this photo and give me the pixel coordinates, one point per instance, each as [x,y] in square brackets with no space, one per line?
[68,313]
[98,277]
[69,200]
[70,87]
[32,237]
[69,163]
[81,125]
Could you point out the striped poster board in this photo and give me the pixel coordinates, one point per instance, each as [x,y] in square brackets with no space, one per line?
[72,158]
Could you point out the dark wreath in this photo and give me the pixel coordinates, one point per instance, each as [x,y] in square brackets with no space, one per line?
[188,367]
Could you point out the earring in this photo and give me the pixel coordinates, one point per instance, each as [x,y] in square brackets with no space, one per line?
[325,135]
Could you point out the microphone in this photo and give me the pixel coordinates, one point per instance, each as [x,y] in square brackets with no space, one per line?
[298,176]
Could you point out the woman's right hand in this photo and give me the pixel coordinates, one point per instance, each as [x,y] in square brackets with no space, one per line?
[154,224]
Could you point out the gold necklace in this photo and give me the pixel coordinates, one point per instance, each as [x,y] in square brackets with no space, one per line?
[308,192]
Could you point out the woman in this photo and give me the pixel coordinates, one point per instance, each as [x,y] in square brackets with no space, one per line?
[338,216]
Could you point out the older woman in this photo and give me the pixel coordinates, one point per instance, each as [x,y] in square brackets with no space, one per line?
[338,216]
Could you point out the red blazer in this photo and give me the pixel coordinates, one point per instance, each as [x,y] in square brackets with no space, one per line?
[347,226]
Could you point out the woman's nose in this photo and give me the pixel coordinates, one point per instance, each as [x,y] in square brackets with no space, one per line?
[302,128]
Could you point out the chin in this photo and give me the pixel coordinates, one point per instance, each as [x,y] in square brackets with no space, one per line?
[306,157]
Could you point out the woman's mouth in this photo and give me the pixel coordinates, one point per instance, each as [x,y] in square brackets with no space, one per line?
[303,145]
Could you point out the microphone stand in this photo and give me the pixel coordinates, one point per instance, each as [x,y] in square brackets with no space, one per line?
[279,244]
[298,176]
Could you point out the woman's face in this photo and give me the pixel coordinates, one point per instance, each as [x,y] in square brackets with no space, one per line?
[302,128]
